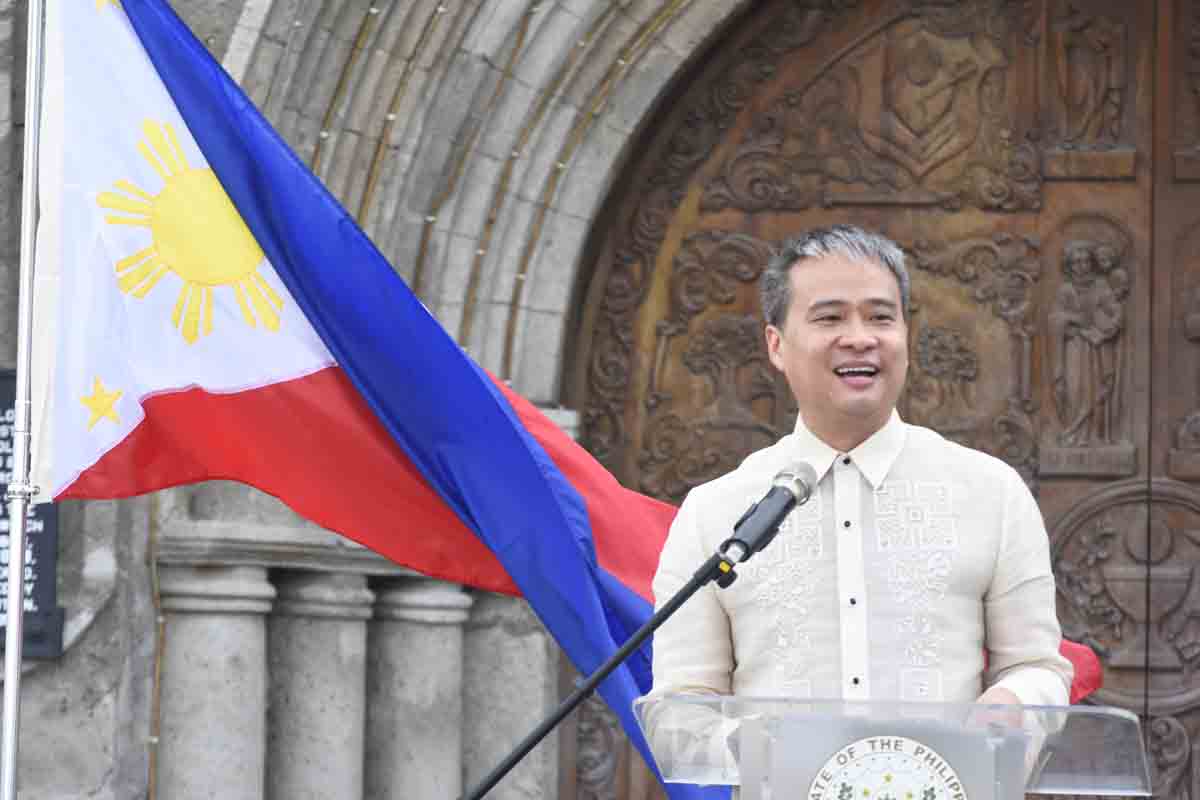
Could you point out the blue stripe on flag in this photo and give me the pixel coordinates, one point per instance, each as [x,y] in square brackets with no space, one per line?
[445,413]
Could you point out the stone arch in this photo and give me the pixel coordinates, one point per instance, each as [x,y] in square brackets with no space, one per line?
[475,141]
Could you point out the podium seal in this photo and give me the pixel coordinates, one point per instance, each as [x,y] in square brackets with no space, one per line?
[886,768]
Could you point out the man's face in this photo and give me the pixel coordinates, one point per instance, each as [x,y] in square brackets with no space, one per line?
[843,347]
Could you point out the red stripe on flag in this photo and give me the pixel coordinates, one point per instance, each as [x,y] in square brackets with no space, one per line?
[315,444]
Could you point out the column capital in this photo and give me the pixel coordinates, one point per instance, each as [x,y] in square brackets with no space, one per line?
[215,590]
[331,595]
[425,600]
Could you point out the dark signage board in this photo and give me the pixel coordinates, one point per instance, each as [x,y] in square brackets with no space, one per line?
[43,621]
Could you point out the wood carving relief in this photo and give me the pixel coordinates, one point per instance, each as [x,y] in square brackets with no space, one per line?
[1126,564]
[962,128]
[916,113]
[1187,90]
[1089,57]
[718,357]
[599,732]
[1174,759]
[1185,455]
[988,409]
[1086,335]
[629,268]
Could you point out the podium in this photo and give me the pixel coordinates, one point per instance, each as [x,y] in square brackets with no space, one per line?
[883,750]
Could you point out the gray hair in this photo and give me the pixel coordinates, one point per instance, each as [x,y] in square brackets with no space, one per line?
[848,241]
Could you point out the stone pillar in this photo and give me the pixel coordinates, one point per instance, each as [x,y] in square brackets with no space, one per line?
[511,682]
[318,648]
[414,682]
[214,682]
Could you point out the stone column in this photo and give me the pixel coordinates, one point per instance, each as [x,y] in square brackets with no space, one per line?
[414,682]
[318,649]
[214,682]
[511,681]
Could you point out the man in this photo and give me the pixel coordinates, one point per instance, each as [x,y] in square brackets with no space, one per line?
[919,570]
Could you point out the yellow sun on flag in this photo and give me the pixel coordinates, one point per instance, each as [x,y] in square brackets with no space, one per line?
[197,234]
[101,404]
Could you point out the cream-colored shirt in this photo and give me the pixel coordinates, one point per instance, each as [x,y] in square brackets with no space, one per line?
[919,570]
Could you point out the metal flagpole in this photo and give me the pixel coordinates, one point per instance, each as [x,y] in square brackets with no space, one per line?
[20,491]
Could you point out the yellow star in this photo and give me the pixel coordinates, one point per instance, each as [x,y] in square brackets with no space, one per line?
[102,3]
[887,778]
[101,404]
[866,792]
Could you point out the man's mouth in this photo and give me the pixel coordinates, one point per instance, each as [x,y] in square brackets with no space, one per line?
[858,371]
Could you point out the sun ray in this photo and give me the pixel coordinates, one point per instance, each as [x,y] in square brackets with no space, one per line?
[134,259]
[153,161]
[129,188]
[137,268]
[164,147]
[151,280]
[135,221]
[180,156]
[187,312]
[118,202]
[208,310]
[275,299]
[247,314]
[268,315]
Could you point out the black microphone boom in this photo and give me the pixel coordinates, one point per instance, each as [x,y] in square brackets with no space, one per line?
[758,526]
[752,533]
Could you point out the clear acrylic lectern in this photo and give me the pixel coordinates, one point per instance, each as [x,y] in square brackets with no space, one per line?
[881,750]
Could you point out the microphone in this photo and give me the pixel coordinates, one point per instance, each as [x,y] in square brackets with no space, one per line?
[791,487]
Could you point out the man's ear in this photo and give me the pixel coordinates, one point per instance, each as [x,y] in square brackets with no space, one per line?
[775,346]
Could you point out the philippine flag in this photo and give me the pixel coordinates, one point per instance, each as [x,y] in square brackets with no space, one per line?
[205,309]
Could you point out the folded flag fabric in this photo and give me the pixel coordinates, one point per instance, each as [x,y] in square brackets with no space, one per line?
[205,309]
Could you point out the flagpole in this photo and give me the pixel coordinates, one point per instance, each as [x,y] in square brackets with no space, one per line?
[20,492]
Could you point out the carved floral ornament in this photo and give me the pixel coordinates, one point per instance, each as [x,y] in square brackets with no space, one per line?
[1125,563]
[915,113]
[707,117]
[734,402]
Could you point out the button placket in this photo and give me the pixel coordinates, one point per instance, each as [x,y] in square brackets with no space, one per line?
[851,579]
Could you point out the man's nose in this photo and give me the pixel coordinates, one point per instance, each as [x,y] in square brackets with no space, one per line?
[858,336]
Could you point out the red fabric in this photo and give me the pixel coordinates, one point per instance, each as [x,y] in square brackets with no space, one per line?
[315,444]
[1089,674]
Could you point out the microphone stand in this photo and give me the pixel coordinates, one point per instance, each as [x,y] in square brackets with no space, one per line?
[719,568]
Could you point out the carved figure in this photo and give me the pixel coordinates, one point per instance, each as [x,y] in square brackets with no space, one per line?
[1085,325]
[1191,323]
[1089,54]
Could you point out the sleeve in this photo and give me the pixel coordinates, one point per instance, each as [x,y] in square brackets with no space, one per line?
[1022,631]
[693,651]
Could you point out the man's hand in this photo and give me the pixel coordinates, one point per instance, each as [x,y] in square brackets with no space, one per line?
[1006,717]
[999,696]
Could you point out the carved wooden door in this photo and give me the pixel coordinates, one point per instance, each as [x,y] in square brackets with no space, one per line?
[1040,162]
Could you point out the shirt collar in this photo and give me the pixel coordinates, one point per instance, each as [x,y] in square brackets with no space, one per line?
[874,457]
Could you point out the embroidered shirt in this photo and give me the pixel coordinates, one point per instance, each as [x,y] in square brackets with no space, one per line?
[914,561]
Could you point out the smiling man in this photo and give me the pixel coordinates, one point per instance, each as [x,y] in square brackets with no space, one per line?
[919,570]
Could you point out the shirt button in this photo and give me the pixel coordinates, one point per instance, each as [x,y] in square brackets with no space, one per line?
[846,460]
[846,524]
[854,681]
[853,601]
